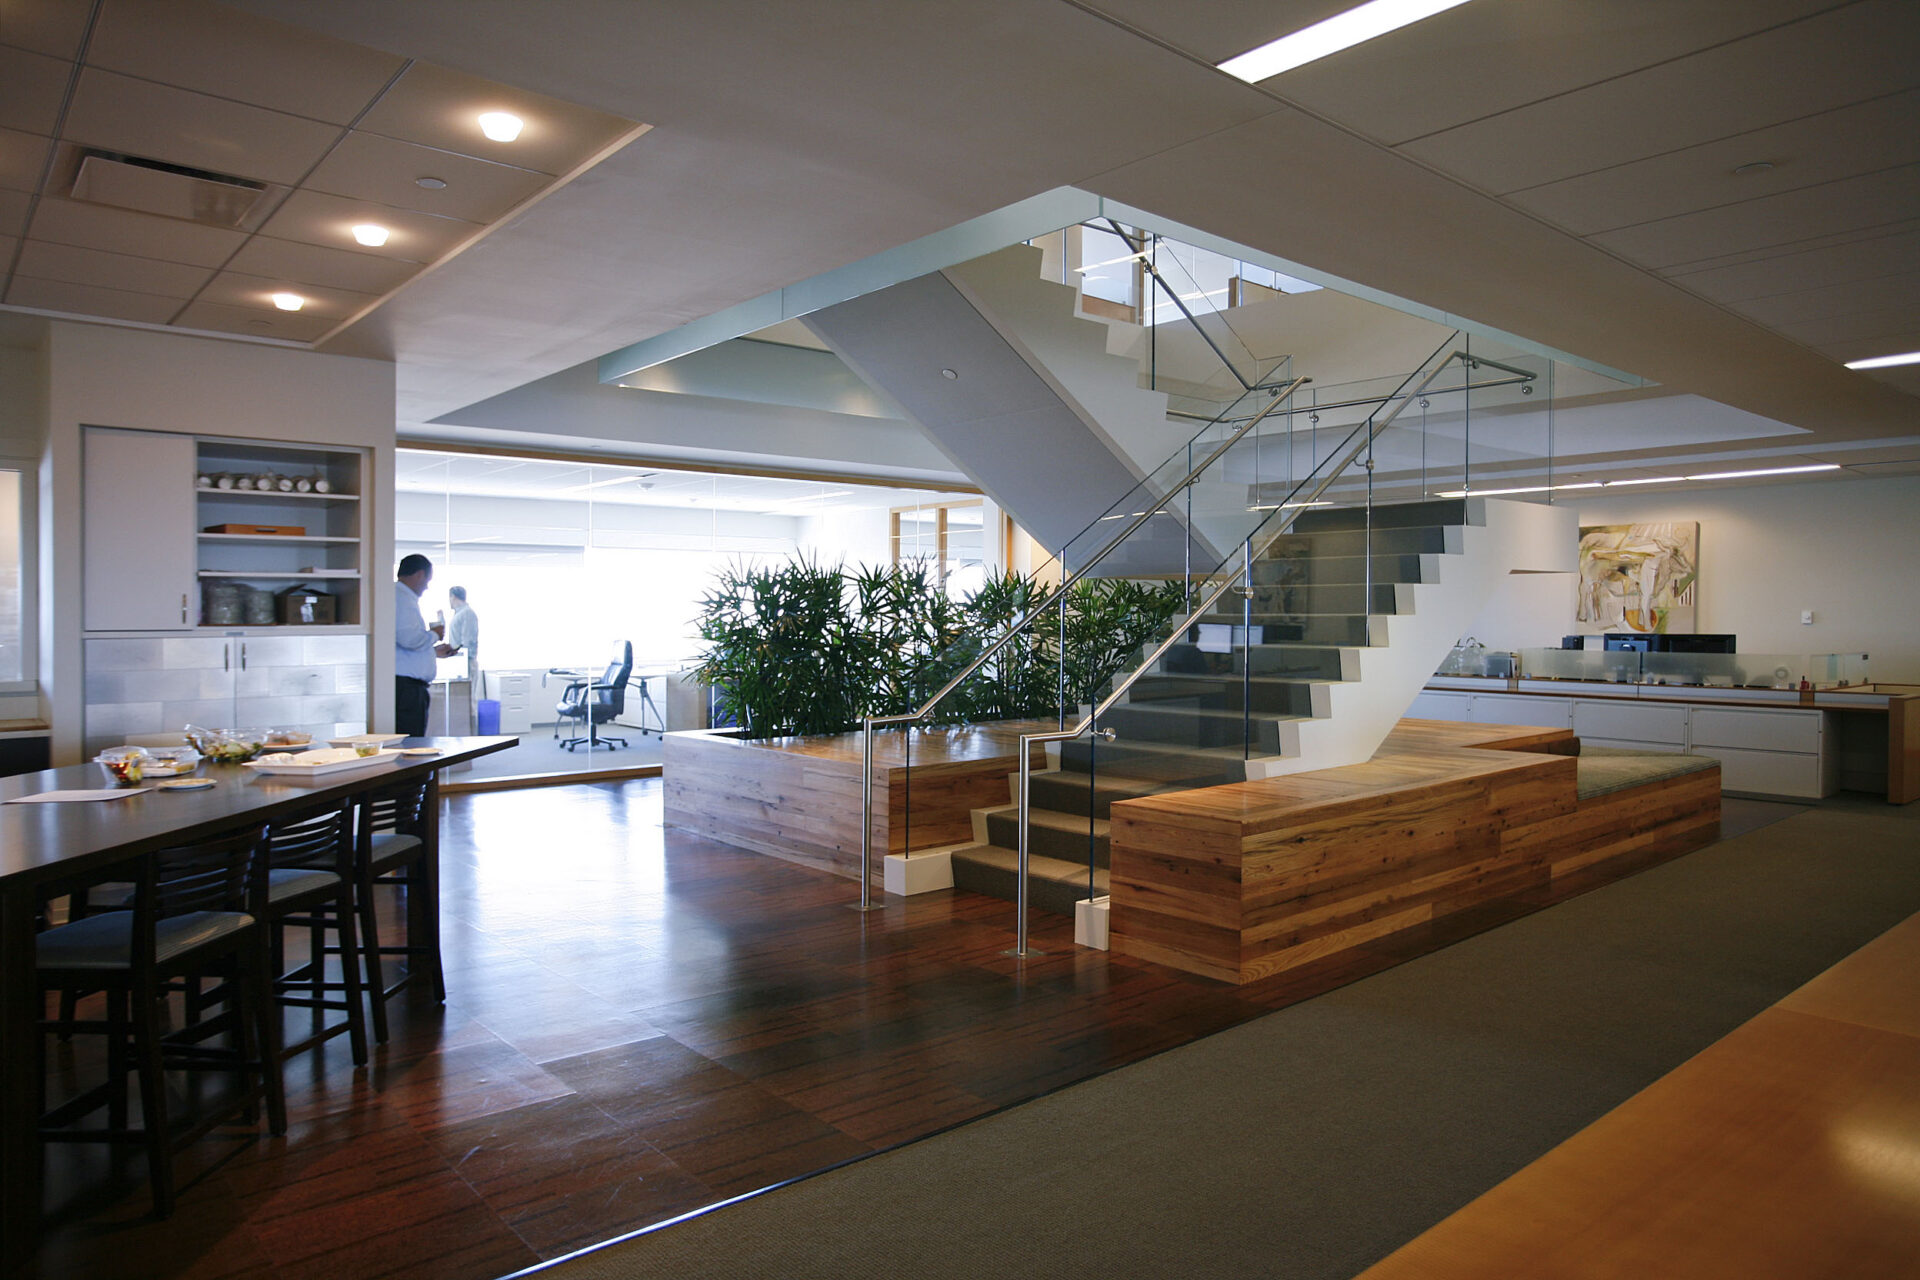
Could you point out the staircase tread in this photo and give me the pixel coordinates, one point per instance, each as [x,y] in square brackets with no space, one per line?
[1205,713]
[1052,819]
[1039,865]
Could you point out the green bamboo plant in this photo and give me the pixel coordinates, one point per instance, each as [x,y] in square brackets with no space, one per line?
[801,648]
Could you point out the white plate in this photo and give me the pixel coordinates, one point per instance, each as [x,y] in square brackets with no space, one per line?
[302,768]
[361,739]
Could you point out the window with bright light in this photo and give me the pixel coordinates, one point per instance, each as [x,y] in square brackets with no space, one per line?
[16,587]
[564,560]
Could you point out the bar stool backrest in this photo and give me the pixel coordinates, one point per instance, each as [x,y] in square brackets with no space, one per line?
[399,808]
[210,875]
[322,839]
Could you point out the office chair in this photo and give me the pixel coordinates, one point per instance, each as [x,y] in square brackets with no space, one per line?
[595,702]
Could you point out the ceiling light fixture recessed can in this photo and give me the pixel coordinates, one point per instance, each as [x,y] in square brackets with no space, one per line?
[501,126]
[431,184]
[289,301]
[371,234]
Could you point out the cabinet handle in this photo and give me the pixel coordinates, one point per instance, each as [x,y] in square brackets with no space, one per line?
[226,657]
[183,606]
[243,655]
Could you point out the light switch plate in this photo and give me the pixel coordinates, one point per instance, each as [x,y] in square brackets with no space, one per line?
[1806,617]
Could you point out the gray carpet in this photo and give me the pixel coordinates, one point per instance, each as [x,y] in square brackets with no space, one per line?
[1315,1140]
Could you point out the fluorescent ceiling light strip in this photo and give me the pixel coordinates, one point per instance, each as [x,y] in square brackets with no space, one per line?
[1615,484]
[1885,362]
[1770,471]
[1342,31]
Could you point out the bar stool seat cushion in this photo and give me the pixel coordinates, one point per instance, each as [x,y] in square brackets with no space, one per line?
[290,882]
[105,941]
[387,847]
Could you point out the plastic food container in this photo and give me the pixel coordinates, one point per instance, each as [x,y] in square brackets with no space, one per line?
[170,762]
[124,766]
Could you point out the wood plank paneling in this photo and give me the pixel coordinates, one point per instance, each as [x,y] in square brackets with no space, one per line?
[1446,818]
[800,798]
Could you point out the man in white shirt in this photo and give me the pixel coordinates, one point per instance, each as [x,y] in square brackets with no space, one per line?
[463,633]
[416,645]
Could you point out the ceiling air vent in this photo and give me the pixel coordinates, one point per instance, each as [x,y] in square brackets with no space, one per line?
[170,190]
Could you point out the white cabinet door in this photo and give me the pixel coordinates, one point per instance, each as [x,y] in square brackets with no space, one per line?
[1497,708]
[137,539]
[1442,706]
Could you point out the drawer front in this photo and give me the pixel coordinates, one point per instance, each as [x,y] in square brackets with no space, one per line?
[1551,713]
[1771,773]
[1631,744]
[1630,721]
[1756,730]
[1442,706]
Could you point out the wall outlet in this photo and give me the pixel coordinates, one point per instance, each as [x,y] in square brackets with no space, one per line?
[1806,617]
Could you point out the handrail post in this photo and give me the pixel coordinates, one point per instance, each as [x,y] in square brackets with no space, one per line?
[1020,947]
[866,902]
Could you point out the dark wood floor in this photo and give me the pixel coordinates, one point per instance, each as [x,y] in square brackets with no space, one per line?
[641,1022]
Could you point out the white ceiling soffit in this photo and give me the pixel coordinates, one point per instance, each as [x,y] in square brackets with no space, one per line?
[792,140]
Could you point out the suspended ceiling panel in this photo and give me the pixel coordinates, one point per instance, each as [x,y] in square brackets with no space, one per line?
[328,132]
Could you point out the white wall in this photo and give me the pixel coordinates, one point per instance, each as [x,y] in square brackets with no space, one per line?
[1842,548]
[103,376]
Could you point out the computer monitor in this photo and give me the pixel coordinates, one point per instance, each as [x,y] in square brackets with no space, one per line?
[1694,643]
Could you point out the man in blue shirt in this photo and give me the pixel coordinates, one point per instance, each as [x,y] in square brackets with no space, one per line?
[416,645]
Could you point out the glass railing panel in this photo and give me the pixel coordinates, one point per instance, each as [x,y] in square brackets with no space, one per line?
[1580,664]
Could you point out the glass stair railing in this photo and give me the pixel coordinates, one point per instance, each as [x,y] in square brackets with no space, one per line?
[1202,618]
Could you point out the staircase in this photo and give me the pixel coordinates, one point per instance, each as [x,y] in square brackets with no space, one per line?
[1329,665]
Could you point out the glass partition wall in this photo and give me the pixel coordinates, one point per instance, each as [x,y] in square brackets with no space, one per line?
[564,563]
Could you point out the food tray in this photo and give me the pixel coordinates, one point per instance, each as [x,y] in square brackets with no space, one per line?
[304,768]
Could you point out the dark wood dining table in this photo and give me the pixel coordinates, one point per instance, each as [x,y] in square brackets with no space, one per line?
[47,845]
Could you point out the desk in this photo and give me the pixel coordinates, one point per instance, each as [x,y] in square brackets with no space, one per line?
[45,845]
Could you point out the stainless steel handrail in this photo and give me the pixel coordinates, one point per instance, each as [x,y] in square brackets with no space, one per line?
[1179,631]
[1326,406]
[1140,251]
[867,723]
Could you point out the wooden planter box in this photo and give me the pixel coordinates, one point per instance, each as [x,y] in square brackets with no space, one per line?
[799,798]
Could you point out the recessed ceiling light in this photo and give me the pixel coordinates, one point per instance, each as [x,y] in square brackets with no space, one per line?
[431,184]
[1341,31]
[501,126]
[370,234]
[1752,167]
[1885,362]
[289,301]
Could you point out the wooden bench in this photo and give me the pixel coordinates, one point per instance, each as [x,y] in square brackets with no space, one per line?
[1248,880]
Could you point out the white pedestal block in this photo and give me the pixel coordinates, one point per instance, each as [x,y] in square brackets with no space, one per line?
[923,872]
[1090,923]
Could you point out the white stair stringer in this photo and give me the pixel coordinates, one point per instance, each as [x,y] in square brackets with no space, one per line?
[1500,538]
[1040,319]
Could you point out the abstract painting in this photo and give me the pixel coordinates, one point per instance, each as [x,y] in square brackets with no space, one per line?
[1638,577]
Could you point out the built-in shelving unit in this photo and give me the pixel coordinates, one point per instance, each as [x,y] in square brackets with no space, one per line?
[327,550]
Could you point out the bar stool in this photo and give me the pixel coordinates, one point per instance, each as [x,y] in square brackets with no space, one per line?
[189,920]
[392,847]
[310,885]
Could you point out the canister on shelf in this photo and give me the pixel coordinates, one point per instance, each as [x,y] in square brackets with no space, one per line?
[222,604]
[259,607]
